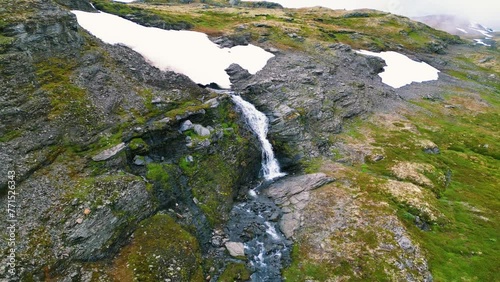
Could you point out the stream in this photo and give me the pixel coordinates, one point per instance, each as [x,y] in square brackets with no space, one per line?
[255,222]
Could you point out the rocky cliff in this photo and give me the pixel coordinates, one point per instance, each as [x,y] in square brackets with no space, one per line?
[127,173]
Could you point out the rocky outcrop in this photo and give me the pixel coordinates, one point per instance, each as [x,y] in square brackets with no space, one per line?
[343,229]
[309,98]
[92,237]
[292,195]
[82,5]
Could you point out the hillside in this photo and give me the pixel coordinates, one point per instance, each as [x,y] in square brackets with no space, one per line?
[124,172]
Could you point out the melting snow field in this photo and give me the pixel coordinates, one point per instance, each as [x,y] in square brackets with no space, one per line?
[401,70]
[187,52]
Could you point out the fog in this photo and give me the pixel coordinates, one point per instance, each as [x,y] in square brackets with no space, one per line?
[486,12]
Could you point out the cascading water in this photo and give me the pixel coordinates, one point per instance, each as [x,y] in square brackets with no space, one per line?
[258,122]
[255,222]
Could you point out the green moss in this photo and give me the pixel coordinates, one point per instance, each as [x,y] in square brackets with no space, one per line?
[137,144]
[301,269]
[70,104]
[187,167]
[235,272]
[159,173]
[106,141]
[213,185]
[5,41]
[10,135]
[162,249]
[100,189]
[190,106]
[213,177]
[462,246]
[312,165]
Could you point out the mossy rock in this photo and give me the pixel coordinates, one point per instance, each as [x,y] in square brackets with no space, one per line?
[235,272]
[160,251]
[137,145]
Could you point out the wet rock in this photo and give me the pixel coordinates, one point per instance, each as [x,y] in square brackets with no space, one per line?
[424,226]
[189,142]
[189,113]
[433,151]
[282,190]
[289,223]
[235,249]
[217,241]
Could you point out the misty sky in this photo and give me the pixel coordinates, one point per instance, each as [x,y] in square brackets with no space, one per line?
[486,12]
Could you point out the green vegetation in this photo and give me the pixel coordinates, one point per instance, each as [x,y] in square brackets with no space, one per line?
[100,189]
[285,28]
[67,100]
[138,145]
[189,106]
[161,249]
[213,177]
[235,272]
[462,245]
[10,135]
[5,41]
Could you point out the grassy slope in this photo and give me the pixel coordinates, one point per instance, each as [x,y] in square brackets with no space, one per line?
[462,244]
[366,29]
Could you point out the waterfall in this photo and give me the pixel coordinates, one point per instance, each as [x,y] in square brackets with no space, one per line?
[258,123]
[254,222]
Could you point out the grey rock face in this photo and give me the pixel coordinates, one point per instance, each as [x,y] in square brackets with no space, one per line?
[91,239]
[309,98]
[292,195]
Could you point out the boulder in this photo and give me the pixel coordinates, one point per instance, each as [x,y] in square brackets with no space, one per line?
[235,249]
[201,130]
[186,125]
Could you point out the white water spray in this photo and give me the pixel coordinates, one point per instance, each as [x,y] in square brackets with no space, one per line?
[258,122]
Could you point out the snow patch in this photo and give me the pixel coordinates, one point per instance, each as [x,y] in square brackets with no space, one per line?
[401,70]
[187,52]
[480,42]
